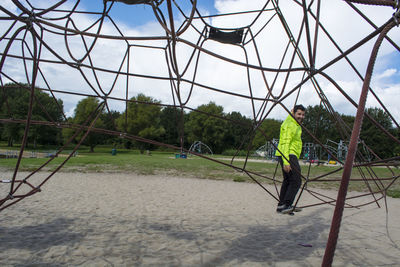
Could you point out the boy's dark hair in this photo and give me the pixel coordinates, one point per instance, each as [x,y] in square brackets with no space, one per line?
[297,107]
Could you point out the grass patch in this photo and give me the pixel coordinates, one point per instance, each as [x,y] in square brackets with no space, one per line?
[393,193]
[239,179]
[165,163]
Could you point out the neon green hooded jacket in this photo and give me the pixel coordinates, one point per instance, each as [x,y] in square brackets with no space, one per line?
[289,140]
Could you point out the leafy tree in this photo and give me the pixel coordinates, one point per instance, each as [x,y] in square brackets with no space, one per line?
[207,129]
[238,127]
[110,123]
[46,135]
[268,130]
[12,132]
[86,109]
[143,120]
[396,150]
[348,120]
[171,122]
[321,124]
[378,141]
[14,102]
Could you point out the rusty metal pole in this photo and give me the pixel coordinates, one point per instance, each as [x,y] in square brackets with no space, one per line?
[338,213]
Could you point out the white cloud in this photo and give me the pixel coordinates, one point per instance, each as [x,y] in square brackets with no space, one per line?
[344,25]
[387,73]
[7,4]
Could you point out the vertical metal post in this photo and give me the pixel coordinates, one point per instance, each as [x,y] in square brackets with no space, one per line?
[338,213]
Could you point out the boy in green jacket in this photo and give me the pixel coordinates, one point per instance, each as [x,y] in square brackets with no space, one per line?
[288,152]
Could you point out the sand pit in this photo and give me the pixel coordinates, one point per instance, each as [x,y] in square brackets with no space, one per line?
[101,219]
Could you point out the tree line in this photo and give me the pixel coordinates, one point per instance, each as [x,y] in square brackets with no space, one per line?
[145,117]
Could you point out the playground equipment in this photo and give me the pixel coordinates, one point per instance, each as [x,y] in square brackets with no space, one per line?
[311,152]
[339,149]
[200,148]
[268,150]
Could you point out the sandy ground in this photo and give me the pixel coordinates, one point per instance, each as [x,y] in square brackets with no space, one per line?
[130,220]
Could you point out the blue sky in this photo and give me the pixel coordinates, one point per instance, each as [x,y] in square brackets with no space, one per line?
[141,14]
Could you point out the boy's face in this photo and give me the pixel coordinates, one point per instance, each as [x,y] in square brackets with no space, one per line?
[299,115]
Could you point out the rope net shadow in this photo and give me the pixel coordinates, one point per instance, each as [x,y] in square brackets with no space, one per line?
[45,48]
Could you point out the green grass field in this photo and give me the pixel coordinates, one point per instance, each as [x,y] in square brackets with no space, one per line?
[165,163]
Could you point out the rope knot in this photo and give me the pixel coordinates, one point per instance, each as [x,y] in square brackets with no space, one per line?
[30,20]
[396,17]
[78,63]
[312,70]
[396,14]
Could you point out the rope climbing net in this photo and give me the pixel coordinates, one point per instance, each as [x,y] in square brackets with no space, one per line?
[63,38]
[272,53]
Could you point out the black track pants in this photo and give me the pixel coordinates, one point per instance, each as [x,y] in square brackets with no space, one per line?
[291,181]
